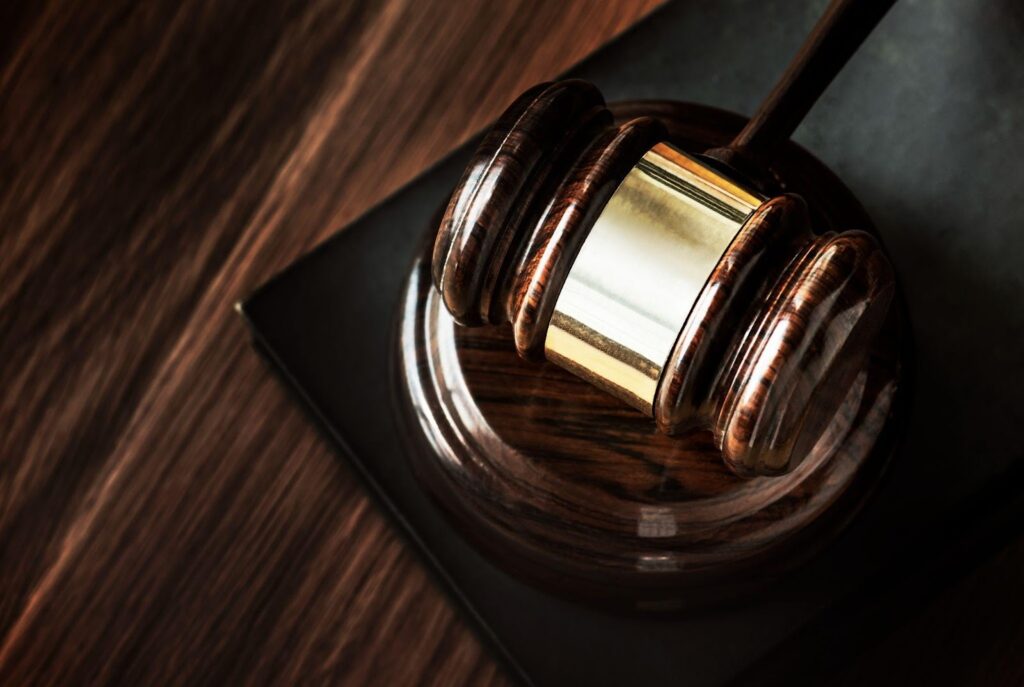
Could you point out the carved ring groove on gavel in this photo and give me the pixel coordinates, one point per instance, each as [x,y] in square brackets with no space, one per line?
[679,285]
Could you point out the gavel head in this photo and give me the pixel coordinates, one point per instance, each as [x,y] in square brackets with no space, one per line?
[660,277]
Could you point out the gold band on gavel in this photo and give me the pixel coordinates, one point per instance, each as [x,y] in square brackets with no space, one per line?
[640,271]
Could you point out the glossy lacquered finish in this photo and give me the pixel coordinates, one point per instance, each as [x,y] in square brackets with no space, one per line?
[755,345]
[789,364]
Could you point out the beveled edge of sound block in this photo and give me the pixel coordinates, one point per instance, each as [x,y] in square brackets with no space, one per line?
[569,489]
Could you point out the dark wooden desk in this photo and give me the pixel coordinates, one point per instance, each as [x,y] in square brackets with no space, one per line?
[167,514]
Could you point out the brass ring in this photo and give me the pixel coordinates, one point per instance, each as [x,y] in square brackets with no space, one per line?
[640,271]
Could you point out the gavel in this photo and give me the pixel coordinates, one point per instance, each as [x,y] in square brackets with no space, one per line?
[692,287]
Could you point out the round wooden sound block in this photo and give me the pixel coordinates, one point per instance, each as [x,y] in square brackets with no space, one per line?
[565,486]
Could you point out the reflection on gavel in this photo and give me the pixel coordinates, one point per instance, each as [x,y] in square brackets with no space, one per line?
[688,286]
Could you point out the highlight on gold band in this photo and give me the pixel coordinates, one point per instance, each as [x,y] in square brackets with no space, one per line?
[640,271]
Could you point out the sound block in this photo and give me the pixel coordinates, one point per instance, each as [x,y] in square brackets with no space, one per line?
[567,487]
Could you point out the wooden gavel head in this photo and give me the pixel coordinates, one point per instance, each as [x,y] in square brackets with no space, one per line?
[665,279]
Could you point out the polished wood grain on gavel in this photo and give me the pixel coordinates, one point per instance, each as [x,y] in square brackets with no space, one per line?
[780,310]
[693,266]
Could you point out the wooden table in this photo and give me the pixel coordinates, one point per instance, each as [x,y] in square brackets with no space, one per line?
[167,514]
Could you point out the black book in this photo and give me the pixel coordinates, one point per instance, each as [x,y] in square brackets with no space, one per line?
[920,126]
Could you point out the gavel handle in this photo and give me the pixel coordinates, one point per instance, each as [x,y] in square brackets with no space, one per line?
[836,36]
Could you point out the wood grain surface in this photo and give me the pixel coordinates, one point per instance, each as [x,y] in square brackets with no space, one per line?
[167,514]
